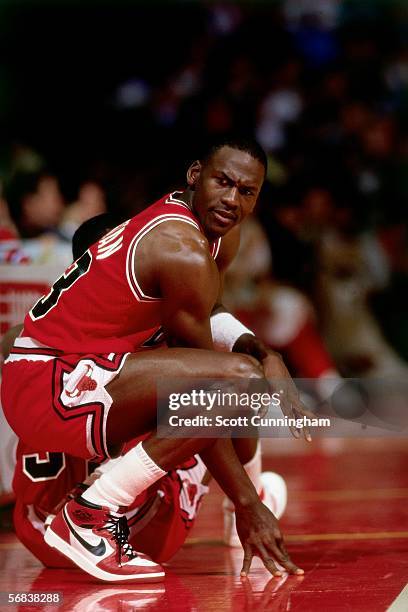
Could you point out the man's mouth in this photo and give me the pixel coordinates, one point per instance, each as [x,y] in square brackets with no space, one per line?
[225,217]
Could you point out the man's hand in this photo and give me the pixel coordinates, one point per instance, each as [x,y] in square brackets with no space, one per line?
[260,535]
[290,402]
[277,374]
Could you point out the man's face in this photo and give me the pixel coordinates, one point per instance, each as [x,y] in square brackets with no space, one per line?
[225,189]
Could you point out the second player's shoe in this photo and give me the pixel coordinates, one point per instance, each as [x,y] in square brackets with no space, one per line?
[273,494]
[96,540]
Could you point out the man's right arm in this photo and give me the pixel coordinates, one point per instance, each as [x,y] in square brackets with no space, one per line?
[183,274]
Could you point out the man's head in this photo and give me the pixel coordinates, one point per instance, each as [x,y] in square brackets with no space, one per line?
[226,182]
[91,231]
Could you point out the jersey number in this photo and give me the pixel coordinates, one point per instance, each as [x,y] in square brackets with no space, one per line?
[50,467]
[43,469]
[64,282]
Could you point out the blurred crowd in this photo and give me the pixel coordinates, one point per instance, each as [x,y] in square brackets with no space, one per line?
[322,272]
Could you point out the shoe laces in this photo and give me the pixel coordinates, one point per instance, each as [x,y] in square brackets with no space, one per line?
[119,529]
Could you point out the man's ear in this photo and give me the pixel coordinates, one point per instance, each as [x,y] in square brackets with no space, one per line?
[193,173]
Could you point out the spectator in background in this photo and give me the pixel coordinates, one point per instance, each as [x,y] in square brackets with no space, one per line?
[280,314]
[321,247]
[350,266]
[91,202]
[11,251]
[36,203]
[36,207]
[281,105]
[323,84]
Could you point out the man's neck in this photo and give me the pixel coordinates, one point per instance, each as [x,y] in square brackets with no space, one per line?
[186,197]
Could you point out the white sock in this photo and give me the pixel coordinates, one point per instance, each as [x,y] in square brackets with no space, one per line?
[119,486]
[101,469]
[254,469]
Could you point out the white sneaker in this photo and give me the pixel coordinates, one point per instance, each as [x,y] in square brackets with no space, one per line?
[96,540]
[273,494]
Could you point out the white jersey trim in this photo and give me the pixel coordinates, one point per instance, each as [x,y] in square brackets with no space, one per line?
[130,273]
[172,200]
[216,248]
[27,357]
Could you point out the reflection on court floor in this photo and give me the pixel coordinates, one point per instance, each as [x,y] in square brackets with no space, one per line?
[346,525]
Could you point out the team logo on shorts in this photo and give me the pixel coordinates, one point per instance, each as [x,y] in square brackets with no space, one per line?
[81,381]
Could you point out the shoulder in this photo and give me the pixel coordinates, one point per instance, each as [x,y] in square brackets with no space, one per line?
[172,255]
[183,267]
[174,240]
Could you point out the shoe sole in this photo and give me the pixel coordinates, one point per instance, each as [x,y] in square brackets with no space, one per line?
[68,551]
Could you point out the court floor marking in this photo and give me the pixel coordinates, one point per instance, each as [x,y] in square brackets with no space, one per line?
[308,537]
[400,604]
[373,535]
[11,545]
[349,494]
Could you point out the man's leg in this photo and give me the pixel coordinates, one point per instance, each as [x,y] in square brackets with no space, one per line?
[133,412]
[133,391]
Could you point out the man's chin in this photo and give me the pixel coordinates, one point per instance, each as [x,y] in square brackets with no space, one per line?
[215,232]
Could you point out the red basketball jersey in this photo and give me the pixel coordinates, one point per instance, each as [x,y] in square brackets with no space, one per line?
[97,305]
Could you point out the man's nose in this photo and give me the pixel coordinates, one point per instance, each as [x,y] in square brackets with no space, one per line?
[230,196]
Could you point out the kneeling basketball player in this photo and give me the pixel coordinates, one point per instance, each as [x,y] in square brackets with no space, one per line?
[80,378]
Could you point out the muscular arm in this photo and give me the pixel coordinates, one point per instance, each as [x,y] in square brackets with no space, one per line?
[179,269]
[257,527]
[189,289]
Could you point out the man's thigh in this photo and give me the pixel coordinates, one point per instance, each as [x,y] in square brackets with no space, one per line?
[134,390]
[61,405]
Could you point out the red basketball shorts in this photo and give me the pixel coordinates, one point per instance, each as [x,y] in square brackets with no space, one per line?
[59,403]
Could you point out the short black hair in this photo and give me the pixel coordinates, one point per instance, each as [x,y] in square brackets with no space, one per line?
[242,143]
[91,231]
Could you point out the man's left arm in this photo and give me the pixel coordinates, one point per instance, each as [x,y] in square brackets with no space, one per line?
[229,334]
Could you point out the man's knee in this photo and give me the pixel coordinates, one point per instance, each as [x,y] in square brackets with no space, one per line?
[242,366]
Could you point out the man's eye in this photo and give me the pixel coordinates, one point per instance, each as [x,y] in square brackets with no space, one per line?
[223,182]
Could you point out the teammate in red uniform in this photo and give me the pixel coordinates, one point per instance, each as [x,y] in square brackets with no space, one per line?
[80,379]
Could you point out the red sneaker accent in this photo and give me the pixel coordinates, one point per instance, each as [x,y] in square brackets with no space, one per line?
[96,540]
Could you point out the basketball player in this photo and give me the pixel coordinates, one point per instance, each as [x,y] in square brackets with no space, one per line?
[44,481]
[81,377]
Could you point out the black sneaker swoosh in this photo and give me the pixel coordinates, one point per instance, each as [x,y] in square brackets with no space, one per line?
[98,550]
